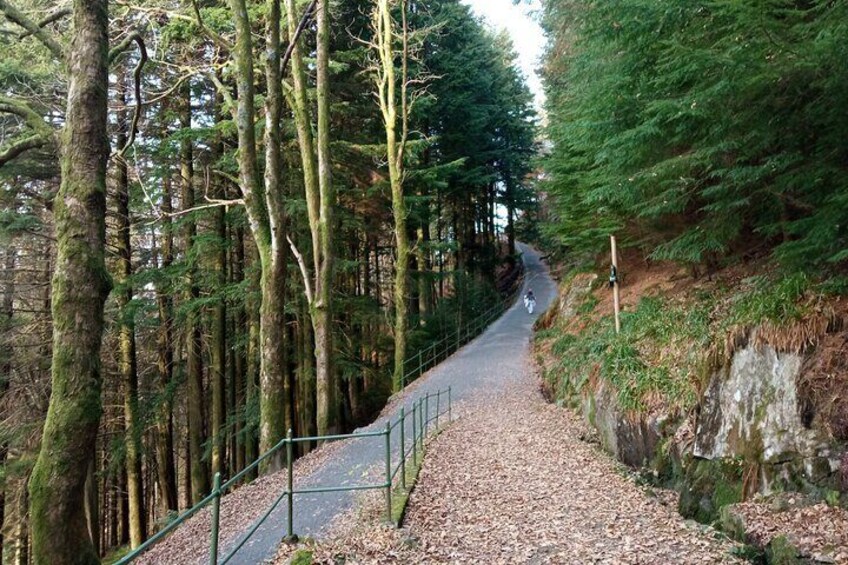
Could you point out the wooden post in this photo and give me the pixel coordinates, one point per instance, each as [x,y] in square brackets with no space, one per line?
[614,283]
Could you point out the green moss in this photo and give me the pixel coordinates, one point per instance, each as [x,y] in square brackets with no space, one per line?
[302,557]
[708,486]
[780,551]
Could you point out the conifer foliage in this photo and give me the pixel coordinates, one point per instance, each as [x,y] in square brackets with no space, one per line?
[699,129]
[222,167]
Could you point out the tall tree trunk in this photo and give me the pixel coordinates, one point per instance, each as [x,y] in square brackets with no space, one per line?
[6,354]
[320,200]
[165,466]
[274,407]
[386,91]
[126,330]
[80,287]
[239,353]
[266,216]
[218,346]
[327,387]
[195,404]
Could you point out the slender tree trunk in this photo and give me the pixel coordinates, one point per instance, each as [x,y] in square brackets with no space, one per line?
[266,215]
[327,387]
[253,362]
[165,466]
[126,330]
[218,346]
[240,361]
[6,355]
[80,287]
[320,201]
[195,404]
[274,408]
[386,91]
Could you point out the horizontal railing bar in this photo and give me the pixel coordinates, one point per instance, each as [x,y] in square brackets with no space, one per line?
[338,437]
[320,490]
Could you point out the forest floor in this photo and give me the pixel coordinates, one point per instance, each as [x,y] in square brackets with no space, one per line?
[518,480]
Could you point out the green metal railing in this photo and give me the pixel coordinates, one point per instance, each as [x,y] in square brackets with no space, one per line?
[427,358]
[421,417]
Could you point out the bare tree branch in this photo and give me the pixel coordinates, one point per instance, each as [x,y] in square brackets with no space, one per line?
[211,34]
[21,146]
[304,20]
[14,15]
[303,271]
[55,16]
[136,37]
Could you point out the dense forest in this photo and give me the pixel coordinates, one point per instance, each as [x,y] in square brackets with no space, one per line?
[699,132]
[224,220]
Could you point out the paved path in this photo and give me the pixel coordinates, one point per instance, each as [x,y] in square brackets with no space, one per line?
[484,365]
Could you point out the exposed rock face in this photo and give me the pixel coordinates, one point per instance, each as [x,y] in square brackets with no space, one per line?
[632,438]
[751,410]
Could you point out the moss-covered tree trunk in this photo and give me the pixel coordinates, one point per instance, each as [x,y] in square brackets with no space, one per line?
[320,201]
[126,330]
[80,287]
[265,206]
[275,407]
[384,38]
[327,387]
[195,402]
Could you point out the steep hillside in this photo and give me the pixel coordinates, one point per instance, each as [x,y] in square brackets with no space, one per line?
[727,388]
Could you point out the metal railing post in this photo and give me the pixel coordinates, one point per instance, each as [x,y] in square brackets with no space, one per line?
[388,472]
[290,485]
[450,418]
[402,448]
[421,424]
[427,411]
[438,407]
[216,513]
[414,434]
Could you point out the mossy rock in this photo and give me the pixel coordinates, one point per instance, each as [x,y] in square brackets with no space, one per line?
[707,487]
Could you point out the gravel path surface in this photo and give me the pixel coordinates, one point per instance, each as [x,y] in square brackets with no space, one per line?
[485,366]
[511,482]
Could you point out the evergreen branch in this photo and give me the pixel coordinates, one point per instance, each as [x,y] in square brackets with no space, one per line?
[15,16]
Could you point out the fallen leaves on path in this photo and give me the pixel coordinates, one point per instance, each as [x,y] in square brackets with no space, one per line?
[511,482]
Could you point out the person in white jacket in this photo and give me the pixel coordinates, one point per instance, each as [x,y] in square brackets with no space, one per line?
[529,301]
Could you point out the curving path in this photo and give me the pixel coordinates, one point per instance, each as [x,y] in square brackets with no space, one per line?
[483,366]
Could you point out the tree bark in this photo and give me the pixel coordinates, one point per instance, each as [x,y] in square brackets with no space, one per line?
[165,466]
[195,404]
[80,287]
[386,93]
[327,387]
[274,407]
[218,346]
[126,330]
[6,355]
[266,216]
